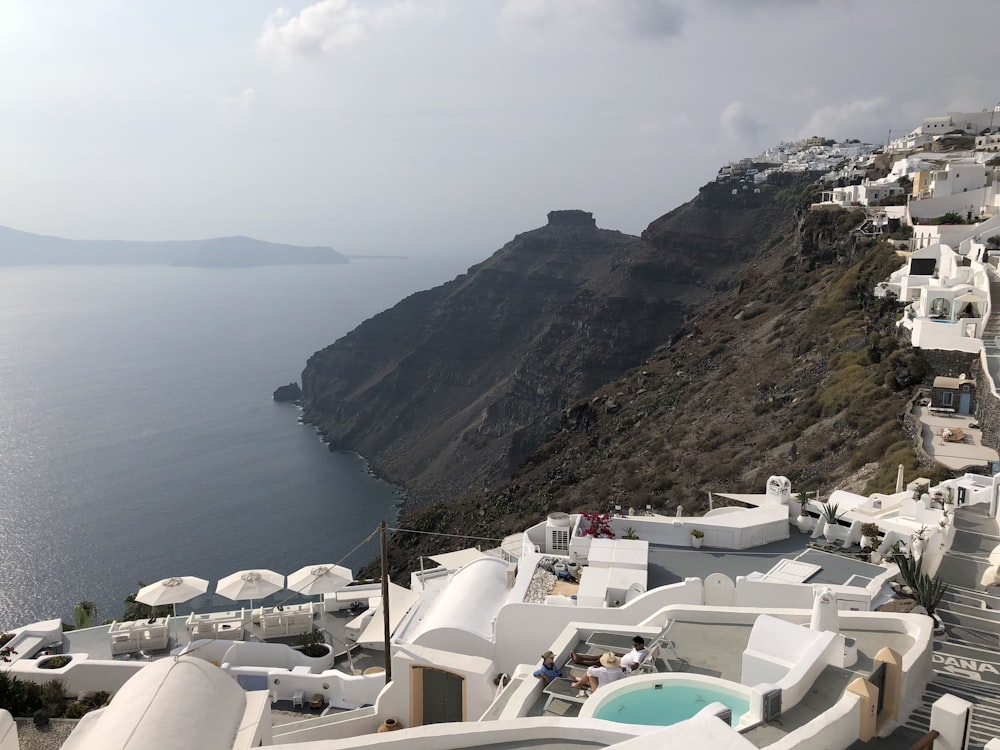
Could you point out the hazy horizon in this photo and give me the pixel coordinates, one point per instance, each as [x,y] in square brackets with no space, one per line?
[431,127]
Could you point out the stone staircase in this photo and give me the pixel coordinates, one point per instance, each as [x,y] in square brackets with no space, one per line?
[985,714]
[967,658]
[992,328]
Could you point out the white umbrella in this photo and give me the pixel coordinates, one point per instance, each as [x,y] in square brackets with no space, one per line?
[319,579]
[172,591]
[250,584]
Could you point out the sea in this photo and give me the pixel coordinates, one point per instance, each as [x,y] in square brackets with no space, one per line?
[139,439]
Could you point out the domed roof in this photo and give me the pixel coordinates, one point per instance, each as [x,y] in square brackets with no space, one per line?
[172,703]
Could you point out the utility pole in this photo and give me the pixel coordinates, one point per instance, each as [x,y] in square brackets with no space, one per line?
[385,603]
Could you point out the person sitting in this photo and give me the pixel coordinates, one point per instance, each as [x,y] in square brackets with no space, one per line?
[630,661]
[610,669]
[548,670]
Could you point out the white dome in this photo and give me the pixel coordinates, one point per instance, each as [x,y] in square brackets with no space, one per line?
[172,703]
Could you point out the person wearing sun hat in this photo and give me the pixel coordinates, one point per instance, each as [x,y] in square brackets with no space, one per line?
[630,661]
[609,670]
[548,670]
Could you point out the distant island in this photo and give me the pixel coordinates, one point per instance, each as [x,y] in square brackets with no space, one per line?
[26,249]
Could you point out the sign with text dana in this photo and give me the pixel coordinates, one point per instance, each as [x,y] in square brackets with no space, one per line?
[972,669]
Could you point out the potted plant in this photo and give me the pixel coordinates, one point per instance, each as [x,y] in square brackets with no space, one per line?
[696,537]
[803,521]
[598,525]
[869,536]
[630,533]
[831,513]
[317,650]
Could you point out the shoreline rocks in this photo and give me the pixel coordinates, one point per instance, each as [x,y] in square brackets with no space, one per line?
[290,393]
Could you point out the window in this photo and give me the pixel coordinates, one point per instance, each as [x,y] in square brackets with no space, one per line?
[947,398]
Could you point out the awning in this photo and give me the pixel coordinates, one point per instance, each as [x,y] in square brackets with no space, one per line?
[400,601]
[459,559]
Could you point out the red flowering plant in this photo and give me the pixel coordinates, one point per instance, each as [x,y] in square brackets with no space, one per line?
[598,525]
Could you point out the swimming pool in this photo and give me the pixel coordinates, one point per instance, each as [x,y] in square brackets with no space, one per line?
[661,700]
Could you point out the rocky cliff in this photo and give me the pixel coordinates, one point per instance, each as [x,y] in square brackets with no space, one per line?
[795,370]
[450,390]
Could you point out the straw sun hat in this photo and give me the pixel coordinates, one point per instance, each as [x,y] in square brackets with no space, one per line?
[610,660]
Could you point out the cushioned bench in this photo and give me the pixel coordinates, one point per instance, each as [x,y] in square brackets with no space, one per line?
[281,624]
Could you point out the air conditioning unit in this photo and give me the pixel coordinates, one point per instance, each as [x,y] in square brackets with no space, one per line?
[557,531]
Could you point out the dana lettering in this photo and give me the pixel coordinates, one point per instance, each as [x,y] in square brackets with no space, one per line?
[966,665]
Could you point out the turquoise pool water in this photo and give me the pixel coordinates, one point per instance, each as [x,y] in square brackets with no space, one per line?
[662,706]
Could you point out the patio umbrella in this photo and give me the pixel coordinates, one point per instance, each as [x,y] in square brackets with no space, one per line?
[319,579]
[250,584]
[172,591]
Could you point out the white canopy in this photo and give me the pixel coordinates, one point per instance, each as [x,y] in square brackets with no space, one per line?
[400,601]
[320,579]
[250,584]
[172,590]
[458,559]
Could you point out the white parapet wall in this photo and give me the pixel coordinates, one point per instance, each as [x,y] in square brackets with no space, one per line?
[523,631]
[741,528]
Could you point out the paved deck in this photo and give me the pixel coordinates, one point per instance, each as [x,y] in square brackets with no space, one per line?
[972,452]
[96,643]
[673,564]
[716,650]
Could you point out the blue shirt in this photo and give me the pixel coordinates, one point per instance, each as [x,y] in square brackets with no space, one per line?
[550,672]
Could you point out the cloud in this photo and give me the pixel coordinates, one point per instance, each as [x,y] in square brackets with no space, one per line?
[242,100]
[326,26]
[738,124]
[651,19]
[854,119]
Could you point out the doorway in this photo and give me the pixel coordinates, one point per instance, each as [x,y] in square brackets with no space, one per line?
[438,696]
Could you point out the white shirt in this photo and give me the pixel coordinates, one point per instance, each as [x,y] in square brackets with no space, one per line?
[634,658]
[605,675]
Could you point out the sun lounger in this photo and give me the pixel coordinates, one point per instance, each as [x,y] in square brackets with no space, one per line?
[617,642]
[562,688]
[953,435]
[621,643]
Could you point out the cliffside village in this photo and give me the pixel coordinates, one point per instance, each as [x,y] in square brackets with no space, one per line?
[934,194]
[780,634]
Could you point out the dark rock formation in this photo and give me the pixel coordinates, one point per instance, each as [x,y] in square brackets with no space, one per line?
[290,392]
[450,390]
[793,371]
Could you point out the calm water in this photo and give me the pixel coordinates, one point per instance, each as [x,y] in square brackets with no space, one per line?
[138,438]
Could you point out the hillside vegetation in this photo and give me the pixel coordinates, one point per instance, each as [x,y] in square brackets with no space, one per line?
[452,389]
[795,370]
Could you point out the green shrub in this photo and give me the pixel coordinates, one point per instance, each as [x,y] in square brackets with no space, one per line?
[19,697]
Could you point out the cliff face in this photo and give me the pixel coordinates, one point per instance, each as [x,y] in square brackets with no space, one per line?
[452,388]
[796,370]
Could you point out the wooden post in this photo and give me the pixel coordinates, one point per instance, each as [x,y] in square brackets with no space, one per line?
[385,604]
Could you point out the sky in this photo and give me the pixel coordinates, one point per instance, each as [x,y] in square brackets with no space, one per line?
[442,126]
